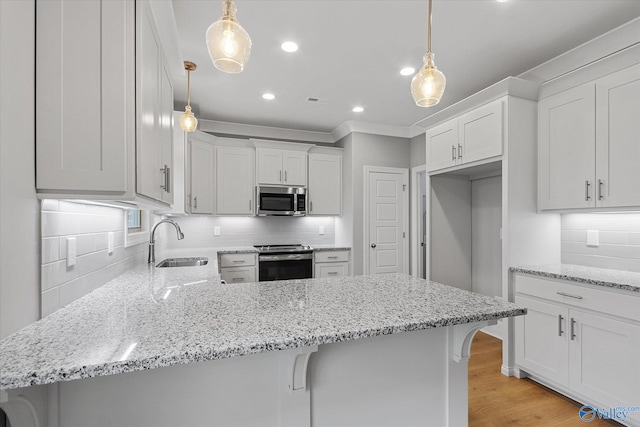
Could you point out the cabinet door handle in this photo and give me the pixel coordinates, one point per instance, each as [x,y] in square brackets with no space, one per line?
[586,191]
[195,202]
[459,151]
[573,329]
[250,204]
[285,176]
[564,294]
[280,176]
[560,319]
[163,170]
[310,206]
[600,196]
[167,177]
[453,153]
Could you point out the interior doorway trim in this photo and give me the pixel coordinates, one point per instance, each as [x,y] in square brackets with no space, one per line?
[415,239]
[405,216]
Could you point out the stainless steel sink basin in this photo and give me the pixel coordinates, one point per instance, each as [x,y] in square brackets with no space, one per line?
[183,262]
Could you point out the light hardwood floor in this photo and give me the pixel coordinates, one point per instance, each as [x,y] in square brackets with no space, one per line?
[496,400]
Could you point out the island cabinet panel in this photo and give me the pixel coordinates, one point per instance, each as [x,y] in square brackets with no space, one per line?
[234,181]
[104,114]
[325,184]
[581,341]
[588,144]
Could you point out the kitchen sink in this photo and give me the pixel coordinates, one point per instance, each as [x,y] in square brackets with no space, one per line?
[183,262]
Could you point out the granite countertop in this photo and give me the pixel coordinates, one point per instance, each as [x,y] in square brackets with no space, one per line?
[619,279]
[330,248]
[147,318]
[237,250]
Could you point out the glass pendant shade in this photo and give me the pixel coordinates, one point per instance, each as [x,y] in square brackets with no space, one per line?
[427,86]
[188,121]
[228,43]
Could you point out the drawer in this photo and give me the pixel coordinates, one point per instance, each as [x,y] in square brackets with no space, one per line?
[238,274]
[610,301]
[331,256]
[236,260]
[332,269]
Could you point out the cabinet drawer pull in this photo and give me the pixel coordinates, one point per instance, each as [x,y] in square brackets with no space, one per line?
[564,294]
[453,153]
[586,191]
[560,319]
[332,273]
[237,279]
[239,261]
[573,329]
[600,196]
[333,257]
[459,151]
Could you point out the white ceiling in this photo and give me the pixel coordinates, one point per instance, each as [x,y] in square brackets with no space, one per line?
[351,53]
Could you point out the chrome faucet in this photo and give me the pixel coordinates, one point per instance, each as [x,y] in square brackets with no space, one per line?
[152,241]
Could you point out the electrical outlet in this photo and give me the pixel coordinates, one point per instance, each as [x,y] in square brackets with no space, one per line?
[110,244]
[593,238]
[71,251]
[216,230]
[321,230]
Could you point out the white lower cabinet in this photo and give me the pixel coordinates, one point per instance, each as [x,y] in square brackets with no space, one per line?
[331,264]
[238,268]
[584,342]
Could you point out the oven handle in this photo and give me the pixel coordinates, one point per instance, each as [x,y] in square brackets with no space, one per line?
[285,257]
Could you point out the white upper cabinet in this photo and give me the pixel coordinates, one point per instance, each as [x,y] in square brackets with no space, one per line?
[566,149]
[281,167]
[234,181]
[588,142]
[200,173]
[472,136]
[325,184]
[104,124]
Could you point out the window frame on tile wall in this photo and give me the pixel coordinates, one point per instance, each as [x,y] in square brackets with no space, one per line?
[137,235]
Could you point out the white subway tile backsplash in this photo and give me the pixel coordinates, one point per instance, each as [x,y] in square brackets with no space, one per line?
[619,240]
[89,225]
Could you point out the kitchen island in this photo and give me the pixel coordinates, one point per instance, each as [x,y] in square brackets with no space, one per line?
[166,347]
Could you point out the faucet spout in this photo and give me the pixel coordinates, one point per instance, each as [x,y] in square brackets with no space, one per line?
[151,259]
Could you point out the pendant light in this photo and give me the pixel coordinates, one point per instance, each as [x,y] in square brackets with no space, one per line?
[188,121]
[228,43]
[427,86]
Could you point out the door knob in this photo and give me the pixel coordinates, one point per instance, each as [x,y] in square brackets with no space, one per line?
[373,245]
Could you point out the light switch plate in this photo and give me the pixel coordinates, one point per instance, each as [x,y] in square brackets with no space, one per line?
[593,238]
[216,230]
[321,230]
[71,251]
[110,244]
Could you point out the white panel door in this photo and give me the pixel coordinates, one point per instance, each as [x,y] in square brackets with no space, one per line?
[603,360]
[234,181]
[618,138]
[294,165]
[270,170]
[541,340]
[201,178]
[442,145]
[566,144]
[480,133]
[386,223]
[325,185]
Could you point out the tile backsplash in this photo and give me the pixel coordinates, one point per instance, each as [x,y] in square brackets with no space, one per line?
[619,240]
[90,225]
[248,231]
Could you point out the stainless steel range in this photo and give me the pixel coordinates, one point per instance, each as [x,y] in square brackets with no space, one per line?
[284,262]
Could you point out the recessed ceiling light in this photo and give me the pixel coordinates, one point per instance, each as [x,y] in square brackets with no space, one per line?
[407,71]
[289,46]
[268,96]
[357,109]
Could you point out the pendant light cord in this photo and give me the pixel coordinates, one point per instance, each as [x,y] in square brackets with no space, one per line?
[429,28]
[189,87]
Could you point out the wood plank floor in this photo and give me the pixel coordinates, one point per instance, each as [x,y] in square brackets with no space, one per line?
[496,400]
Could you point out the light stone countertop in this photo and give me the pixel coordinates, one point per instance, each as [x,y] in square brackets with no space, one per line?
[618,279]
[151,317]
[330,248]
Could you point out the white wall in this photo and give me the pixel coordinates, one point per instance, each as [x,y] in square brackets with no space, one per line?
[417,150]
[90,225]
[19,210]
[369,150]
[246,231]
[619,240]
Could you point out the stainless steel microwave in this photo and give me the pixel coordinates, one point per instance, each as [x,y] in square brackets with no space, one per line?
[286,201]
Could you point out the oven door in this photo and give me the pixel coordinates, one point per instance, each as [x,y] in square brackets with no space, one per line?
[276,201]
[285,266]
